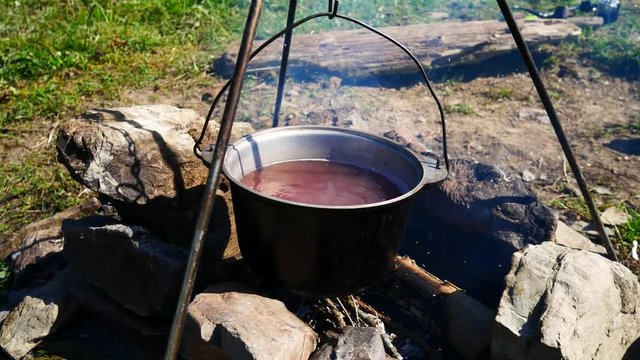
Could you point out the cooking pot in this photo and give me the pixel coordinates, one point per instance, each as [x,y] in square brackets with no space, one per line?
[320,250]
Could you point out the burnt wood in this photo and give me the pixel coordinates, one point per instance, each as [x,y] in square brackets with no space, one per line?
[450,314]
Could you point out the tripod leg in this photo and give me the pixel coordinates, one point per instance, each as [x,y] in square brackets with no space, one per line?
[557,127]
[206,207]
[293,4]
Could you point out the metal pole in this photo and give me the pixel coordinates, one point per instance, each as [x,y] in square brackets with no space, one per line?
[555,122]
[286,48]
[206,208]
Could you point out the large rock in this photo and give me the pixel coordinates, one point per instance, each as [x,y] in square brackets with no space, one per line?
[466,228]
[223,324]
[97,302]
[361,343]
[141,160]
[485,200]
[562,303]
[39,312]
[134,154]
[127,262]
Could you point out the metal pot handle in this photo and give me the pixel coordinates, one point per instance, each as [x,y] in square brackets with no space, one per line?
[332,13]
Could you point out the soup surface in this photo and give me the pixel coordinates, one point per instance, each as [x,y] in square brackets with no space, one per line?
[321,182]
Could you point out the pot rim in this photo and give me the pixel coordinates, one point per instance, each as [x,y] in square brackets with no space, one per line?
[430,174]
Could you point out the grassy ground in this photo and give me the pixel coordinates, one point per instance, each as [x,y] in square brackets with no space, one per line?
[60,58]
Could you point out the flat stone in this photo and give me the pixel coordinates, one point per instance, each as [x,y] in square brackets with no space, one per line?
[561,303]
[224,324]
[128,262]
[568,237]
[602,190]
[40,311]
[38,258]
[362,343]
[95,301]
[613,217]
[25,244]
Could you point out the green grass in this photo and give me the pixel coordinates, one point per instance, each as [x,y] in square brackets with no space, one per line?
[5,274]
[631,230]
[632,128]
[34,188]
[56,55]
[573,205]
[614,49]
[459,108]
[499,94]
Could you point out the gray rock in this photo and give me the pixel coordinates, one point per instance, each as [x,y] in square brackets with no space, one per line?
[224,324]
[602,190]
[466,228]
[134,154]
[96,301]
[127,262]
[532,114]
[568,237]
[613,217]
[25,244]
[40,312]
[141,160]
[528,176]
[562,303]
[361,343]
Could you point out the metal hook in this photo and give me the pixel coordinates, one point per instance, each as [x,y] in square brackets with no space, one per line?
[333,8]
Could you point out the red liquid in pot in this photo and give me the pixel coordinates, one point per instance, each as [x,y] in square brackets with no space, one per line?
[321,183]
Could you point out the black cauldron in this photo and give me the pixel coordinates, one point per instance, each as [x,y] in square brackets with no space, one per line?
[323,250]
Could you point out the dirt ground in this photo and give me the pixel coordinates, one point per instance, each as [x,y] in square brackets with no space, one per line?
[497,120]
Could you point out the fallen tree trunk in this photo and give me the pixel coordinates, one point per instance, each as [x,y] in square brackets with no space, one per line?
[445,309]
[361,53]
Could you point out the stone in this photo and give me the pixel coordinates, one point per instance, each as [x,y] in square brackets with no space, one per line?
[140,160]
[404,137]
[562,303]
[225,324]
[532,114]
[528,176]
[362,343]
[484,199]
[97,302]
[613,217]
[568,237]
[601,190]
[28,240]
[40,312]
[128,262]
[590,230]
[135,154]
[37,258]
[466,228]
